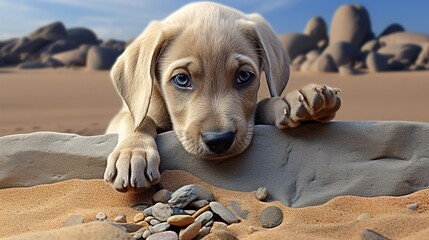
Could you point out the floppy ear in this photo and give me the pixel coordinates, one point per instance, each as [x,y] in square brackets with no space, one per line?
[134,71]
[275,60]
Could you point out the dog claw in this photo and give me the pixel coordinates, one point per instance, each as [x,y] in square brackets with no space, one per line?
[336,90]
[301,98]
[318,89]
[285,111]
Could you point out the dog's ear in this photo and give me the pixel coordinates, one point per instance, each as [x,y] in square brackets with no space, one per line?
[134,71]
[275,60]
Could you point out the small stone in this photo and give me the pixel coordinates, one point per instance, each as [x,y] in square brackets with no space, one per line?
[412,206]
[204,231]
[148,218]
[159,227]
[261,193]
[201,210]
[368,234]
[219,226]
[204,193]
[162,211]
[363,216]
[162,196]
[129,227]
[204,217]
[101,216]
[146,233]
[180,220]
[120,218]
[190,232]
[138,235]
[148,211]
[73,220]
[223,234]
[154,222]
[223,212]
[141,207]
[235,207]
[271,217]
[143,224]
[178,211]
[183,196]
[139,217]
[198,204]
[190,211]
[167,235]
[209,223]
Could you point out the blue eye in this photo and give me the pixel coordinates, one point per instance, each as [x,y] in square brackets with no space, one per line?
[182,81]
[244,77]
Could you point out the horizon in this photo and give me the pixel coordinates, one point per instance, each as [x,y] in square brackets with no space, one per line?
[124,20]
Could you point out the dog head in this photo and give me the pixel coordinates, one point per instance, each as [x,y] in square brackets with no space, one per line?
[206,61]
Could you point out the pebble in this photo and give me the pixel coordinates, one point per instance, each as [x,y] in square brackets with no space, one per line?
[167,235]
[139,217]
[204,217]
[368,234]
[140,207]
[120,218]
[162,211]
[162,196]
[198,204]
[178,211]
[204,193]
[180,220]
[237,210]
[154,222]
[204,231]
[159,227]
[201,210]
[363,216]
[271,217]
[138,235]
[148,211]
[101,216]
[223,234]
[183,196]
[261,193]
[219,226]
[129,227]
[73,220]
[209,223]
[148,218]
[412,206]
[190,232]
[190,211]
[223,212]
[146,233]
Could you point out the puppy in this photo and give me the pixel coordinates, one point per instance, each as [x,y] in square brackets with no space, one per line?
[198,72]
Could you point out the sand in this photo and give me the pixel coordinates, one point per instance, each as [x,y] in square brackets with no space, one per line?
[83,102]
[46,207]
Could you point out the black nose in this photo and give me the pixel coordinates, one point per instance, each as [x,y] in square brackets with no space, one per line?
[218,142]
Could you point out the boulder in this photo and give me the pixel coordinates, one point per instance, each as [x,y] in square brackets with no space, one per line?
[51,32]
[306,65]
[377,62]
[31,65]
[315,162]
[396,65]
[392,28]
[75,57]
[2,63]
[316,28]
[312,55]
[82,36]
[370,46]
[297,43]
[299,60]
[401,51]
[58,47]
[423,57]
[347,70]
[351,23]
[28,45]
[115,44]
[100,58]
[324,63]
[405,37]
[343,53]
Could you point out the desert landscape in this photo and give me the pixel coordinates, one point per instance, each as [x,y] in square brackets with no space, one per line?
[363,176]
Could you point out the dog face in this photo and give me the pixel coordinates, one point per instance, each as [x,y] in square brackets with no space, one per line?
[205,61]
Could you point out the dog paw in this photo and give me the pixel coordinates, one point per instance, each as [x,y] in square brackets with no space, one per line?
[313,102]
[133,164]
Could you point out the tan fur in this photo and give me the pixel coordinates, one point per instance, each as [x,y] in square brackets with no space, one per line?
[210,43]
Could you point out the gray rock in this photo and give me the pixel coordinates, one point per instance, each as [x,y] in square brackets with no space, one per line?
[57,47]
[82,36]
[28,45]
[238,210]
[223,212]
[154,222]
[75,57]
[167,235]
[73,220]
[350,24]
[101,216]
[297,44]
[404,38]
[183,196]
[398,51]
[416,67]
[316,28]
[32,65]
[324,63]
[2,63]
[313,54]
[129,227]
[392,28]
[198,204]
[298,60]
[120,218]
[368,234]
[204,231]
[138,235]
[261,193]
[370,46]
[148,211]
[161,227]
[146,234]
[396,65]
[379,153]
[271,217]
[423,57]
[115,44]
[204,217]
[204,193]
[162,211]
[51,32]
[141,207]
[412,206]
[347,70]
[100,58]
[343,53]
[162,196]
[50,62]
[178,211]
[376,62]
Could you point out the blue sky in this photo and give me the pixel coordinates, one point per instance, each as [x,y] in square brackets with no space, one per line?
[124,19]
